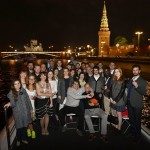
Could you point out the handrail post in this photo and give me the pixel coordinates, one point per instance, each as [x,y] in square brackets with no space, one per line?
[7,129]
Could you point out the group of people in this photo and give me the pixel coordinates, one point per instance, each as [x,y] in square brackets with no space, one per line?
[52,90]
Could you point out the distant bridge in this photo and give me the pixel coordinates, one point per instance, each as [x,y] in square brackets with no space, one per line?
[54,54]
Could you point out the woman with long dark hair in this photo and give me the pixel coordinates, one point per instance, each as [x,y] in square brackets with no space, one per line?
[22,109]
[117,96]
[43,102]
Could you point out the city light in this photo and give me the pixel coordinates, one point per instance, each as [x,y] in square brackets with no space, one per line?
[138,34]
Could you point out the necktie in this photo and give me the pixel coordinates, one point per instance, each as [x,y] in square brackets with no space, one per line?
[129,89]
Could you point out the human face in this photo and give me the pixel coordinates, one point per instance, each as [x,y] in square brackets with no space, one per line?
[96,72]
[76,85]
[43,77]
[23,75]
[87,88]
[136,71]
[50,75]
[112,66]
[17,85]
[31,80]
[30,66]
[66,72]
[43,67]
[117,73]
[37,69]
[106,72]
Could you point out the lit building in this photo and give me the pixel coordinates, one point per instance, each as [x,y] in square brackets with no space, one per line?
[34,46]
[104,35]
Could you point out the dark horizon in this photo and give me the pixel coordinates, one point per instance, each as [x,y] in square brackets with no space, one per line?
[74,23]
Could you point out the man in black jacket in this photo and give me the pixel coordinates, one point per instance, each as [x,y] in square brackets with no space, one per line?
[91,106]
[136,91]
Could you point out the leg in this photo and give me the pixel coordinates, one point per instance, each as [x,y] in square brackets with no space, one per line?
[119,114]
[46,122]
[88,120]
[99,112]
[107,105]
[42,125]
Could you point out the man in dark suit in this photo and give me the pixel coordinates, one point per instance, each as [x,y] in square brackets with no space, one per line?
[136,91]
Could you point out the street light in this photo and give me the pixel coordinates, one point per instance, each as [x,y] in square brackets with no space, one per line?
[138,34]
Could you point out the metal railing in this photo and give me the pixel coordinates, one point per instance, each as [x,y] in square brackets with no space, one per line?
[9,131]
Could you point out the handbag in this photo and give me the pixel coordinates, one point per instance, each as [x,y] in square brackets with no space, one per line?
[112,119]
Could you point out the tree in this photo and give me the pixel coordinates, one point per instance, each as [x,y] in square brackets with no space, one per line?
[122,41]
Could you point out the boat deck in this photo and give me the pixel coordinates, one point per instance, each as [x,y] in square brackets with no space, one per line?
[70,140]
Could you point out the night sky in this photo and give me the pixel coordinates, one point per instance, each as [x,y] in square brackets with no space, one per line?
[69,22]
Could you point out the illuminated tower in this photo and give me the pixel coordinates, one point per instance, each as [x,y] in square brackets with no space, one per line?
[104,35]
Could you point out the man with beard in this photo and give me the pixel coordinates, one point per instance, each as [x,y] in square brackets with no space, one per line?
[136,91]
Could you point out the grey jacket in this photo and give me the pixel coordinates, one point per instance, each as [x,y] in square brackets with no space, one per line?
[62,89]
[117,92]
[74,96]
[97,85]
[21,108]
[136,94]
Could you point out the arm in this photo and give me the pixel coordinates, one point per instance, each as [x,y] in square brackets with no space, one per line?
[121,93]
[76,95]
[27,99]
[141,87]
[38,90]
[11,98]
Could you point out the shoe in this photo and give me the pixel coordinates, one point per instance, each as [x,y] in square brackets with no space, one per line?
[136,139]
[104,138]
[24,142]
[46,133]
[18,143]
[33,135]
[64,129]
[92,136]
[79,132]
[28,132]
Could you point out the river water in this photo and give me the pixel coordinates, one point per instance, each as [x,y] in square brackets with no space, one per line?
[9,69]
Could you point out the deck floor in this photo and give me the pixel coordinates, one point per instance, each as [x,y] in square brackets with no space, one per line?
[71,141]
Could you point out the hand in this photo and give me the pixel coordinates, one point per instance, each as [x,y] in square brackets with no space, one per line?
[112,101]
[91,104]
[51,105]
[106,90]
[7,105]
[100,95]
[59,97]
[92,94]
[135,84]
[88,96]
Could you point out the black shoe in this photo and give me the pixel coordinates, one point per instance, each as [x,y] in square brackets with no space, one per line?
[64,129]
[92,136]
[104,138]
[79,132]
[136,139]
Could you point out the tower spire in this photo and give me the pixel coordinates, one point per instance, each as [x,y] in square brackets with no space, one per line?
[104,35]
[104,20]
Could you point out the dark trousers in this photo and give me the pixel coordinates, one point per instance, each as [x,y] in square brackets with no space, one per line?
[21,134]
[135,120]
[76,110]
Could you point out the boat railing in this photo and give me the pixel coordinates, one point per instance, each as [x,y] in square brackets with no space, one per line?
[8,134]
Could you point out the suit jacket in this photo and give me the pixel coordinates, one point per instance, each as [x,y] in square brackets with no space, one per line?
[136,94]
